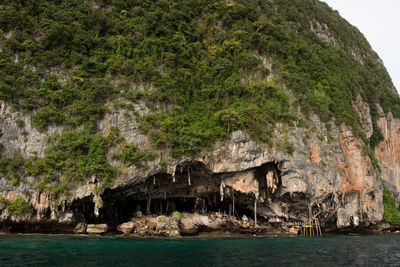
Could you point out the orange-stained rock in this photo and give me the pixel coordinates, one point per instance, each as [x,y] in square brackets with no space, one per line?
[388,151]
[243,182]
[314,151]
[353,163]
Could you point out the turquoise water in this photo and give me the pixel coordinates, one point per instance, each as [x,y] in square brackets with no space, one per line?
[45,250]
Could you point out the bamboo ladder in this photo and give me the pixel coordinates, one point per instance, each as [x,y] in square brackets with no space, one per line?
[310,227]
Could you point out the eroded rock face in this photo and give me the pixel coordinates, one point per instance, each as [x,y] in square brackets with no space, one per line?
[334,174]
[18,134]
[342,218]
[326,175]
[388,151]
[244,182]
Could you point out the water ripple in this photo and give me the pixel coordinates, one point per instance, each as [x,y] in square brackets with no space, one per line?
[59,251]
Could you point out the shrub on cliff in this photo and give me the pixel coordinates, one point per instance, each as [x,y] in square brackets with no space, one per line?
[19,206]
[72,158]
[131,154]
[391,214]
[11,167]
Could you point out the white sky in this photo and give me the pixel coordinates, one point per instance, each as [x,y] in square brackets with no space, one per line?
[379,21]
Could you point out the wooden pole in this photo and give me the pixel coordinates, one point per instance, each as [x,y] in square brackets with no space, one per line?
[233,201]
[311,227]
[255,212]
[319,227]
[148,206]
[316,227]
[320,231]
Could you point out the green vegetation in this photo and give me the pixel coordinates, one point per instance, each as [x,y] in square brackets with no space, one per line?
[73,158]
[177,214]
[3,200]
[132,155]
[391,214]
[19,206]
[12,167]
[205,59]
[204,69]
[20,123]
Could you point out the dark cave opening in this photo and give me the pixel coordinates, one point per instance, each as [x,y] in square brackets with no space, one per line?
[83,209]
[191,189]
[269,178]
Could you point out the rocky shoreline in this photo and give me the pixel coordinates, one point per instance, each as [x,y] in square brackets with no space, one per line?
[178,224]
[187,224]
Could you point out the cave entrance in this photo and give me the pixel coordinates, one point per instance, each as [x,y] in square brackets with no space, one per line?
[239,204]
[83,209]
[123,210]
[269,179]
[192,188]
[245,190]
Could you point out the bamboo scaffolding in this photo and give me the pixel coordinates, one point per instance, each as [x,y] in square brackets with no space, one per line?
[310,227]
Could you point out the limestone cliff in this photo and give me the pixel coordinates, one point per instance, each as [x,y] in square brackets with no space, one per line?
[388,152]
[326,174]
[276,110]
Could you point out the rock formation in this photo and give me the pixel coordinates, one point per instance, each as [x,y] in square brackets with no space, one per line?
[327,175]
[311,164]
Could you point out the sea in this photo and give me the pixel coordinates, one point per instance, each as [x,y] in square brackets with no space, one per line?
[72,250]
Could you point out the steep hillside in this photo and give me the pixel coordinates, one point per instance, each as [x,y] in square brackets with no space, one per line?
[110,105]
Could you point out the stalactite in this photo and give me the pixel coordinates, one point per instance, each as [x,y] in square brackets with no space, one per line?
[189,182]
[98,204]
[173,174]
[221,191]
[272,181]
